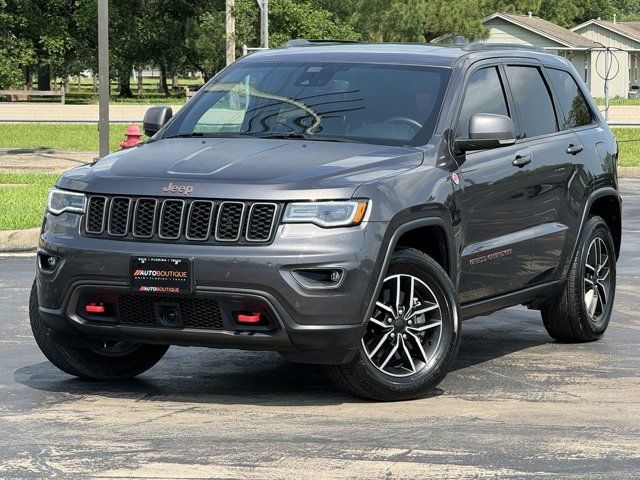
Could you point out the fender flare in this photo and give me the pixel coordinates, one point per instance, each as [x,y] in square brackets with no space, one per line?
[593,196]
[391,245]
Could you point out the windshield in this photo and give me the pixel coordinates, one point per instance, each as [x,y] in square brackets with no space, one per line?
[381,104]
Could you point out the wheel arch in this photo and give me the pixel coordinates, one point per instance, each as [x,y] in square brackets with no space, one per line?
[421,225]
[607,206]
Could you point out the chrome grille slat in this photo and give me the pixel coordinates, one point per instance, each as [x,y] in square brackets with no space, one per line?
[229,221]
[119,215]
[171,216]
[96,214]
[261,221]
[199,223]
[144,218]
[181,220]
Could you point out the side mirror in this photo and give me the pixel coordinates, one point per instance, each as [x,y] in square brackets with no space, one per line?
[155,118]
[486,131]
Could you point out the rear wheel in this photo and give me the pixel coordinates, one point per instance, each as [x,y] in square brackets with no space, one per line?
[583,311]
[412,337]
[115,361]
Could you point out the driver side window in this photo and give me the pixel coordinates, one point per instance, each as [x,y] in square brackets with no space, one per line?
[485,94]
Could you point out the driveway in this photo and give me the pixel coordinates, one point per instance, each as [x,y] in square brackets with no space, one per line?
[516,404]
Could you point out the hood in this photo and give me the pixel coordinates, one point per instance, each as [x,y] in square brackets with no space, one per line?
[239,168]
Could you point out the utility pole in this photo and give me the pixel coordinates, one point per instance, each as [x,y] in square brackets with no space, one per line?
[606,85]
[231,31]
[103,77]
[264,22]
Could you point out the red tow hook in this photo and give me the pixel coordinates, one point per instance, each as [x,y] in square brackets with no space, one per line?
[95,307]
[254,317]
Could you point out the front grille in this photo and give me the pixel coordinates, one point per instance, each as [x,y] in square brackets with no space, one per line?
[229,221]
[261,221]
[200,313]
[144,217]
[171,219]
[96,209]
[118,223]
[181,220]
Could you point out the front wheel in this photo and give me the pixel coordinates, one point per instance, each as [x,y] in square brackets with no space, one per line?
[412,337]
[115,361]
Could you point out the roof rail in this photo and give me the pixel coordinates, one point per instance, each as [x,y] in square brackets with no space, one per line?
[478,46]
[312,42]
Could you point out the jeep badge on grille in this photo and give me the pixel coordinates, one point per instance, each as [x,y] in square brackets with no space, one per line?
[183,189]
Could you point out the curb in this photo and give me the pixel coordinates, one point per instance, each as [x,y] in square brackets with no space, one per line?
[19,240]
[628,172]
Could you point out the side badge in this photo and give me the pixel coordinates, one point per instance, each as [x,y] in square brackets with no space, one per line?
[456,178]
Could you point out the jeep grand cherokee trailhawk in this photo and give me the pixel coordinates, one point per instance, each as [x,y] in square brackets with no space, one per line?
[342,204]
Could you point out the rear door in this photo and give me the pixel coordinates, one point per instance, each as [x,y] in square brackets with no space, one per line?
[555,151]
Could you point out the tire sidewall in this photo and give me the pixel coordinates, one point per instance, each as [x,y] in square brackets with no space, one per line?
[596,228]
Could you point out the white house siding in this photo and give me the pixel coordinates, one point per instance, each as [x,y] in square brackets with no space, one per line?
[618,86]
[629,67]
[501,31]
[582,63]
[607,37]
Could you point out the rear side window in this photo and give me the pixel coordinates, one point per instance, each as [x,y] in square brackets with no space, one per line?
[575,108]
[534,101]
[484,94]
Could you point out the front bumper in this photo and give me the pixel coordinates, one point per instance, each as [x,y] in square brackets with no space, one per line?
[308,325]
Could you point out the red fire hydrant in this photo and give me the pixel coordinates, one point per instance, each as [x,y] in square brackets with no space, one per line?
[133,135]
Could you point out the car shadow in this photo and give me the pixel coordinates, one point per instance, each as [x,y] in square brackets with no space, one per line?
[199,375]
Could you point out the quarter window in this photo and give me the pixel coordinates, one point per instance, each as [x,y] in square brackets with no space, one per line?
[570,97]
[484,94]
[534,102]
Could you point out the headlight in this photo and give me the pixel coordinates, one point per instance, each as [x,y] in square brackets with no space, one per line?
[327,214]
[62,201]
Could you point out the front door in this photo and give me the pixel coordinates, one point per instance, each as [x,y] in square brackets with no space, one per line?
[497,248]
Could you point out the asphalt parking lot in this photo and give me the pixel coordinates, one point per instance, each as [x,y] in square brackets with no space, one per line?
[516,404]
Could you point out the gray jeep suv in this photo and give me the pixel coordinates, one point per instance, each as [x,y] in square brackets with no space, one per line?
[342,204]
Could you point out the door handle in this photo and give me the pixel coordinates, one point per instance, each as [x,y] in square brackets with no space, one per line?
[574,149]
[522,160]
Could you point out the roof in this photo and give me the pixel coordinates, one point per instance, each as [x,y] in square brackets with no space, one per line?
[546,29]
[392,53]
[627,29]
[417,54]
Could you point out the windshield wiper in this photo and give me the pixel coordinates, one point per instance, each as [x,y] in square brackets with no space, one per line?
[307,136]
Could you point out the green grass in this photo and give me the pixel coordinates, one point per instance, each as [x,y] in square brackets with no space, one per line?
[84,137]
[629,145]
[619,101]
[23,198]
[59,136]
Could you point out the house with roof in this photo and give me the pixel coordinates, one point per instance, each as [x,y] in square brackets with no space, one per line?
[583,49]
[624,38]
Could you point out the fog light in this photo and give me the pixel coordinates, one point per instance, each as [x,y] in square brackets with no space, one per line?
[48,263]
[317,278]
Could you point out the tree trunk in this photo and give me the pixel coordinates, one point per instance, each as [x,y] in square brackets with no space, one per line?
[28,79]
[95,83]
[66,84]
[44,78]
[140,87]
[163,80]
[175,84]
[124,82]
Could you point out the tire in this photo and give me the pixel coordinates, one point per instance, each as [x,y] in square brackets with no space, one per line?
[377,372]
[568,318]
[119,361]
